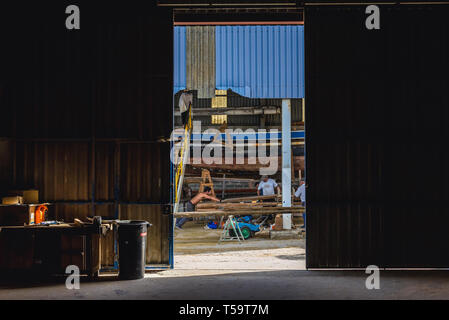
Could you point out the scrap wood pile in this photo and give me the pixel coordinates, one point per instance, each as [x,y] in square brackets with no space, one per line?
[242,206]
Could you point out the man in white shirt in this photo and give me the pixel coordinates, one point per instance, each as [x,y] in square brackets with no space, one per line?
[267,186]
[301,194]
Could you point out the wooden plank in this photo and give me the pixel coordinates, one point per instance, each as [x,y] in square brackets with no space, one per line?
[252,198]
[241,212]
[226,206]
[198,179]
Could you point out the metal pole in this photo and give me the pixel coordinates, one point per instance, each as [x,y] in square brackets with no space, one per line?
[286,162]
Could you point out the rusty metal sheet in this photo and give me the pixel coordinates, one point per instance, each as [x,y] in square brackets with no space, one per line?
[200,60]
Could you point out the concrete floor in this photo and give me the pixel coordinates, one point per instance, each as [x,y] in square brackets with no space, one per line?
[224,285]
[266,269]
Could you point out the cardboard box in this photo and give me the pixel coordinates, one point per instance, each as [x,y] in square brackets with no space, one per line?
[12,200]
[29,196]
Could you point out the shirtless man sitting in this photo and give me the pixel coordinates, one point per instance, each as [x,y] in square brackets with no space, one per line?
[206,194]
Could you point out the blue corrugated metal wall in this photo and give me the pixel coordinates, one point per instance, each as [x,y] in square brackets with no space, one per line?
[261,61]
[179,58]
[253,61]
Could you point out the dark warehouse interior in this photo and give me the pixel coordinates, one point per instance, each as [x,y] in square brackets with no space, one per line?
[87,116]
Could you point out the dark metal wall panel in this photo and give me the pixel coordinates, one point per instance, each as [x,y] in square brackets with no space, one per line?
[376,154]
[59,170]
[158,236]
[83,110]
[358,2]
[40,94]
[131,88]
[110,79]
[63,175]
[141,167]
[106,171]
[6,164]
[230,3]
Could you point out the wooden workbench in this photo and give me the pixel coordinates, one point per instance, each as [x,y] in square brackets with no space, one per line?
[21,214]
[50,249]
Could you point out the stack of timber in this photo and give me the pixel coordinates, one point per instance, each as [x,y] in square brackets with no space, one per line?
[241,206]
[251,199]
[233,206]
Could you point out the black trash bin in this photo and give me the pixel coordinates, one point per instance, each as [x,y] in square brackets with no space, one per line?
[132,239]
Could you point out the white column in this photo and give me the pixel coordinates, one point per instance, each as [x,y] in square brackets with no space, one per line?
[286,162]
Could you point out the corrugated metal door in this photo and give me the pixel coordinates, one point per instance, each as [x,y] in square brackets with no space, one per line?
[377,158]
[83,112]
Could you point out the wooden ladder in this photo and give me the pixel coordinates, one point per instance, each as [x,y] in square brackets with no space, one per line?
[206,181]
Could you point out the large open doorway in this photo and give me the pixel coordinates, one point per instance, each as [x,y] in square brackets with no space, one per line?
[239,97]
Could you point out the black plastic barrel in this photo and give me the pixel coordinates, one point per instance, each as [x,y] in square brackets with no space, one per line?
[132,239]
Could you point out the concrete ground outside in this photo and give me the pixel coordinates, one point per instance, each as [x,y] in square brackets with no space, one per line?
[197,248]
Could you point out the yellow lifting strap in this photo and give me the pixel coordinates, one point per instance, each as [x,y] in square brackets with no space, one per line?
[183,159]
